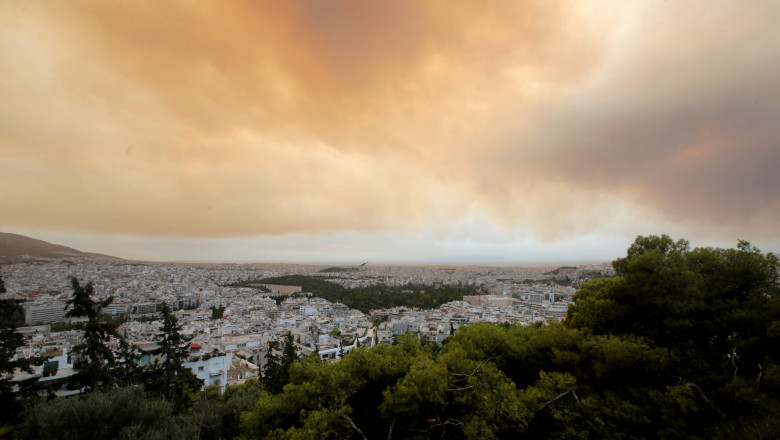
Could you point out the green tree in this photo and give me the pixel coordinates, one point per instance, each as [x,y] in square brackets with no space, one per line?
[167,376]
[271,369]
[716,311]
[218,416]
[572,384]
[116,413]
[703,303]
[94,370]
[289,353]
[316,403]
[217,312]
[277,370]
[11,317]
[341,350]
[127,370]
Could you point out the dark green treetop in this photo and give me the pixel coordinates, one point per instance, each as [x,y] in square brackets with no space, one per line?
[114,413]
[276,373]
[11,317]
[98,360]
[716,310]
[127,370]
[167,375]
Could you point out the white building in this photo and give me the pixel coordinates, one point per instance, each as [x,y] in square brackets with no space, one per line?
[116,309]
[212,371]
[242,342]
[35,314]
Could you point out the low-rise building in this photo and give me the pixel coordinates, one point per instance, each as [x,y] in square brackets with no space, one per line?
[212,370]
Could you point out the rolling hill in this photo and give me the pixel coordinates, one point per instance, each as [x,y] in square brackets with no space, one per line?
[13,246]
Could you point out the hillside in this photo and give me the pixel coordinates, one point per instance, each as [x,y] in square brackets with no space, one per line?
[13,246]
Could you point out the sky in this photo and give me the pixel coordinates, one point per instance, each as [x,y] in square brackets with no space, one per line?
[397,131]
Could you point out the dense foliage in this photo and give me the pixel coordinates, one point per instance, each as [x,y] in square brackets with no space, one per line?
[217,312]
[118,413]
[370,298]
[680,344]
[556,271]
[11,317]
[549,281]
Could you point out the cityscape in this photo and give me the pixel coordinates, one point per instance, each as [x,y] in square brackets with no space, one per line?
[204,350]
[251,319]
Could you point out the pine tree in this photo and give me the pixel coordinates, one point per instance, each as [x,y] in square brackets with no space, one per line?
[97,359]
[341,350]
[11,316]
[271,370]
[289,354]
[167,376]
[276,373]
[127,370]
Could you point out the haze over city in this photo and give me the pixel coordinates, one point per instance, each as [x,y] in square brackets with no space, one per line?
[404,131]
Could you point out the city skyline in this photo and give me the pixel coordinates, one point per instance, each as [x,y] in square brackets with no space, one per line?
[418,132]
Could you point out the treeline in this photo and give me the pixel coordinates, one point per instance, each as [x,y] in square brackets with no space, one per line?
[549,281]
[681,344]
[336,269]
[559,269]
[370,298]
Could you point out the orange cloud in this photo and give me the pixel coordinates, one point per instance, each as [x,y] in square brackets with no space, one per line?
[253,118]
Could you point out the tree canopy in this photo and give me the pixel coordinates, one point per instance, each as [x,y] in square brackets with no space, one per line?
[369,298]
[120,413]
[716,310]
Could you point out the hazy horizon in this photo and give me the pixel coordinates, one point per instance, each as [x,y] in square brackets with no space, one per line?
[219,251]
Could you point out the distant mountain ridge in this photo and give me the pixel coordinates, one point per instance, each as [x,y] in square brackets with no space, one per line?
[13,246]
